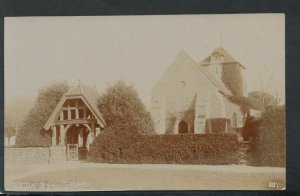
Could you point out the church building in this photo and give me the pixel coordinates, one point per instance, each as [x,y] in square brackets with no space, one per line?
[192,97]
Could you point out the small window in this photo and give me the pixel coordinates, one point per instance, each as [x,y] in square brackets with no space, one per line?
[65,114]
[80,103]
[72,103]
[80,112]
[73,114]
[88,114]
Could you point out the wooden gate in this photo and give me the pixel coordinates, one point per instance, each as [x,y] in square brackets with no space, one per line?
[72,152]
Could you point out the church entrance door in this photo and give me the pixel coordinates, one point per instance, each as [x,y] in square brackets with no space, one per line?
[183,127]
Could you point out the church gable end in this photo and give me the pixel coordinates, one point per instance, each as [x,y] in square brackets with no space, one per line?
[188,94]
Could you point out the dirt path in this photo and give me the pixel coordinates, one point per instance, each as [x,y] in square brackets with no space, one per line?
[95,176]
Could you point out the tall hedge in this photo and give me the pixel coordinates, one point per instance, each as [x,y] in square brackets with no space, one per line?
[269,147]
[111,147]
[32,133]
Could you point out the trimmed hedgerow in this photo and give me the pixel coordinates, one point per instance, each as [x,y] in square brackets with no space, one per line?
[111,147]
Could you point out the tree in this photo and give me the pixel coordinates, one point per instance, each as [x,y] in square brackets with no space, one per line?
[9,132]
[250,129]
[127,122]
[16,108]
[241,101]
[123,110]
[261,100]
[32,133]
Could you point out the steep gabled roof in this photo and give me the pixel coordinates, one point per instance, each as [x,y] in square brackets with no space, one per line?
[215,82]
[227,57]
[183,56]
[88,95]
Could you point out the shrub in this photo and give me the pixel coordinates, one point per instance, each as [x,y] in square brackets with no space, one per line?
[261,100]
[32,133]
[111,147]
[123,110]
[250,129]
[268,148]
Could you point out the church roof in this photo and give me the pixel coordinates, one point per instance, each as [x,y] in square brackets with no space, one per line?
[215,82]
[90,97]
[184,57]
[227,57]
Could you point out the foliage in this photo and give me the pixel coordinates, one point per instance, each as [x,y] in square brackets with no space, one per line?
[232,78]
[268,148]
[109,147]
[256,100]
[9,131]
[261,100]
[241,101]
[32,133]
[250,129]
[16,108]
[123,110]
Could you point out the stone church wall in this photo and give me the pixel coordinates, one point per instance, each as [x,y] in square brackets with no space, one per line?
[231,109]
[173,119]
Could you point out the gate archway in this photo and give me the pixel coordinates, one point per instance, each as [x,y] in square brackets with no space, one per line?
[76,142]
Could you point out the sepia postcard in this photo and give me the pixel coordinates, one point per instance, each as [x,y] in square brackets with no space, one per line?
[152,102]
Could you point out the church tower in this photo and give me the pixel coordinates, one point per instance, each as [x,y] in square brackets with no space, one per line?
[226,70]
[215,64]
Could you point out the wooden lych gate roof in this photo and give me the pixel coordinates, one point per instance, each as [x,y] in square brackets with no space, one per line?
[88,95]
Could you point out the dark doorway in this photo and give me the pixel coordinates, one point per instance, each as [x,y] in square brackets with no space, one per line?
[183,127]
[75,139]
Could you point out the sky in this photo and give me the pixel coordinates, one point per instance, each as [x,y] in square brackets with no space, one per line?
[100,50]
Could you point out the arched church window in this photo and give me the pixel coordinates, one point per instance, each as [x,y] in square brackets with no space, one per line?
[234,120]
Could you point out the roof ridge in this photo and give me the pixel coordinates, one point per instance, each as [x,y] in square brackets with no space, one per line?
[228,58]
[209,76]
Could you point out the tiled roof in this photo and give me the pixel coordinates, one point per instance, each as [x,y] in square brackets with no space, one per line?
[227,57]
[182,56]
[215,82]
[90,96]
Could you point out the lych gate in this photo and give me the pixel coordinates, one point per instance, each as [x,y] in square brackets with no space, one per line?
[76,121]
